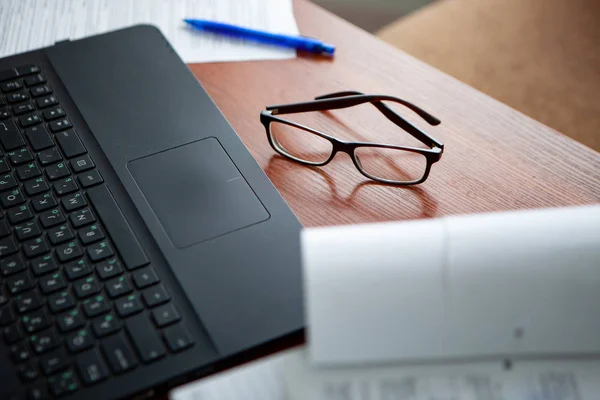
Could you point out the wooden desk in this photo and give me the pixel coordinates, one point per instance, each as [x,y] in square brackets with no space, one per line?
[495,158]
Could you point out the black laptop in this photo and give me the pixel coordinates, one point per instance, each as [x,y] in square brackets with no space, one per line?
[141,246]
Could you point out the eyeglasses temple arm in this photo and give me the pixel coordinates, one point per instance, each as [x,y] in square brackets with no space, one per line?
[395,118]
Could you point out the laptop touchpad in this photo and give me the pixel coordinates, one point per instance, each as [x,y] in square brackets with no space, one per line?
[197,192]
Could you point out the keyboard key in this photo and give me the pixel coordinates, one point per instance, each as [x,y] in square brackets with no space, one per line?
[82,163]
[28,301]
[82,217]
[27,69]
[54,362]
[59,125]
[6,315]
[52,283]
[46,101]
[28,372]
[12,334]
[27,230]
[70,320]
[51,217]
[91,368]
[39,137]
[65,186]
[19,214]
[34,80]
[12,198]
[99,251]
[4,166]
[4,228]
[73,201]
[11,265]
[35,247]
[28,171]
[35,321]
[43,202]
[144,277]
[60,234]
[78,269]
[106,325]
[37,392]
[19,283]
[10,86]
[29,120]
[79,341]
[23,108]
[7,246]
[7,181]
[90,234]
[10,137]
[108,268]
[86,287]
[43,265]
[53,113]
[119,354]
[129,305]
[165,315]
[41,90]
[20,352]
[4,114]
[69,143]
[36,186]
[8,74]
[44,341]
[20,156]
[69,251]
[63,384]
[118,287]
[61,301]
[57,171]
[49,156]
[155,296]
[90,178]
[144,338]
[118,228]
[95,306]
[178,338]
[16,97]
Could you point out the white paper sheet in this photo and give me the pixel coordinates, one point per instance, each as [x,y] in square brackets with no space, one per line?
[437,309]
[489,286]
[260,380]
[559,380]
[30,24]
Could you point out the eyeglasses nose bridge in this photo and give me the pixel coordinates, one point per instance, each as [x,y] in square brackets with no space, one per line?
[341,146]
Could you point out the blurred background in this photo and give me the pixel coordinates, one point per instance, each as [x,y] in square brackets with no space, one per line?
[541,57]
[371,15]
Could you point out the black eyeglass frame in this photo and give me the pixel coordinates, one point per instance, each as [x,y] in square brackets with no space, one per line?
[348,99]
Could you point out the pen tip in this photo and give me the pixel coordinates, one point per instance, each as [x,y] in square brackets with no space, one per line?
[328,49]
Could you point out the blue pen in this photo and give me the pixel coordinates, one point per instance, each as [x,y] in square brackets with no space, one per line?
[297,42]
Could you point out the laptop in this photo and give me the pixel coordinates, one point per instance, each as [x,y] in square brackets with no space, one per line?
[141,245]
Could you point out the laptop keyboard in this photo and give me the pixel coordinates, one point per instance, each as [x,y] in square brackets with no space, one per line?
[78,298]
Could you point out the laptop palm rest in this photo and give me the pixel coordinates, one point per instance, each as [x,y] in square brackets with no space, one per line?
[196,192]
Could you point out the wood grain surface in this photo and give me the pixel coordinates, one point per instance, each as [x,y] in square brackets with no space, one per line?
[495,158]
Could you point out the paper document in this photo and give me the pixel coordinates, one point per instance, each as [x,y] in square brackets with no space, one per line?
[515,285]
[31,24]
[495,306]
[260,380]
[559,380]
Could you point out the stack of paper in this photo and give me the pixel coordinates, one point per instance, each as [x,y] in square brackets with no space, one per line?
[31,24]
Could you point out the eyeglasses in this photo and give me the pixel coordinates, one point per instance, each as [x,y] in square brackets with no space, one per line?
[398,165]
